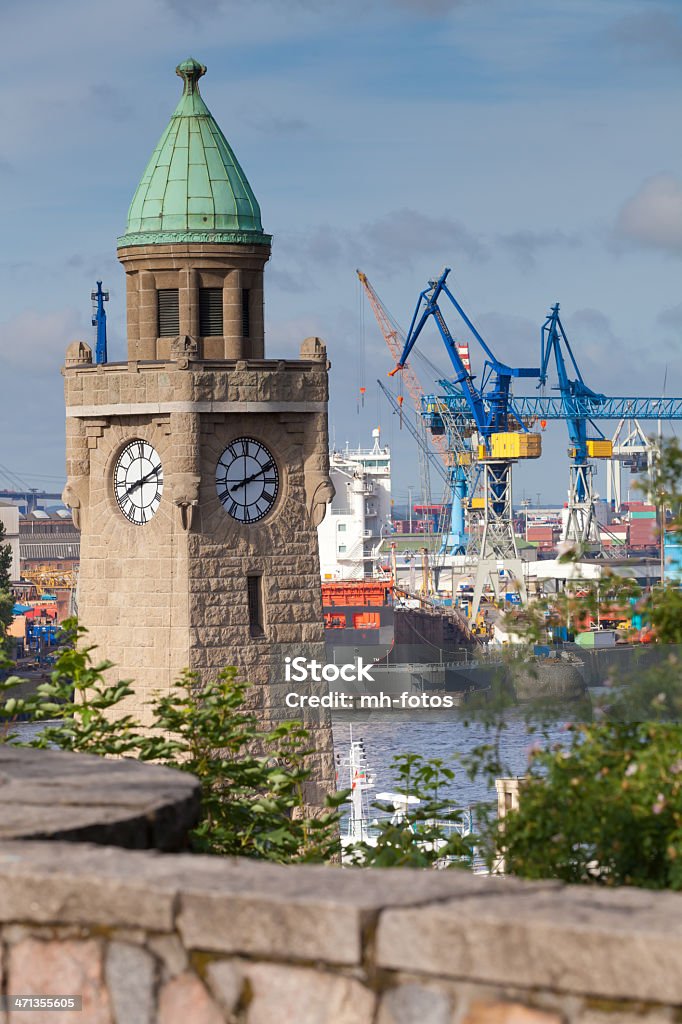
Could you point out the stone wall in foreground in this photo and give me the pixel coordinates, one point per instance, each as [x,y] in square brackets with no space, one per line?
[146,937]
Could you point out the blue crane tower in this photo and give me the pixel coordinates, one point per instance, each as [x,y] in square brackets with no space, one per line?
[99,320]
[503,437]
[582,528]
[578,405]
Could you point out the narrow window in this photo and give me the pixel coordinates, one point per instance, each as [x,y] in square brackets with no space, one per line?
[254,585]
[246,318]
[169,312]
[210,312]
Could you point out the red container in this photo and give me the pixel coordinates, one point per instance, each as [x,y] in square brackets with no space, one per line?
[539,533]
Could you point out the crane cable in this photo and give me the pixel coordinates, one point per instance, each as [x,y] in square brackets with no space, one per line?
[361,361]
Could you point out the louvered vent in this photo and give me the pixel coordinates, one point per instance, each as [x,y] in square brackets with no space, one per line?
[246,319]
[210,312]
[169,312]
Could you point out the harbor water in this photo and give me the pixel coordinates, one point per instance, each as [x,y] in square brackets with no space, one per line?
[449,737]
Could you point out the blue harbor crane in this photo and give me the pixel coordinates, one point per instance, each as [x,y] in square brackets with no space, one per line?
[581,523]
[577,405]
[99,320]
[503,437]
[453,540]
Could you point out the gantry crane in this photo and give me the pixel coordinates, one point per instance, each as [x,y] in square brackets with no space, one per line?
[633,450]
[450,440]
[503,436]
[582,528]
[578,405]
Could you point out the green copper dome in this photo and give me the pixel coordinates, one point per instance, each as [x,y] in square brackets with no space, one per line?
[193,189]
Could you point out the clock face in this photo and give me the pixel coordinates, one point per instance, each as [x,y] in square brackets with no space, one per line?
[138,482]
[247,480]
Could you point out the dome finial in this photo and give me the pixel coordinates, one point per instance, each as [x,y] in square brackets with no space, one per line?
[190,71]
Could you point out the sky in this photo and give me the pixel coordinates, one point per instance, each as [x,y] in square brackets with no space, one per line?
[533,146]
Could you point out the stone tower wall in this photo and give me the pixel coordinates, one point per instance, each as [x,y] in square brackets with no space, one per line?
[189,267]
[172,594]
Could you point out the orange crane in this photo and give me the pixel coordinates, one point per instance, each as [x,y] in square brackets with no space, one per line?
[395,339]
[460,460]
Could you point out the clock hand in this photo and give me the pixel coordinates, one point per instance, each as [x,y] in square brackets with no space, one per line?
[143,480]
[250,479]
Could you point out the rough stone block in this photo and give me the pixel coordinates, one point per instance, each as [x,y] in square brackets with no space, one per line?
[508,1013]
[306,913]
[291,995]
[618,1014]
[226,983]
[80,883]
[620,945]
[170,952]
[59,968]
[130,974]
[415,1004]
[184,1000]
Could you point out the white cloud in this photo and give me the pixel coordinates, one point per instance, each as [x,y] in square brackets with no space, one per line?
[390,242]
[653,215]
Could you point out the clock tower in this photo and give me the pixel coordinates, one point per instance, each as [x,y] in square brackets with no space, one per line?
[197,470]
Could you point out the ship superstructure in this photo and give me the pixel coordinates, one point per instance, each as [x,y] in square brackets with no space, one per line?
[359,517]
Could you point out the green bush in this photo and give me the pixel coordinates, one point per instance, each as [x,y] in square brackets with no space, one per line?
[605,810]
[252,779]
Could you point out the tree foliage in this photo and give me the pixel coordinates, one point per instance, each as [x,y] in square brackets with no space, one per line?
[605,810]
[253,780]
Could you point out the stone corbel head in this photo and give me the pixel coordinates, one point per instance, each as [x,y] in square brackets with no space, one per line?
[74,496]
[183,348]
[318,487]
[184,489]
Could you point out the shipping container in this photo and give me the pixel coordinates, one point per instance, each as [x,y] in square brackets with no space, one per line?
[599,449]
[515,445]
[643,532]
[539,533]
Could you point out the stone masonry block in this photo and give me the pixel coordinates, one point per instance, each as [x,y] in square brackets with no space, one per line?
[77,882]
[63,967]
[619,1014]
[415,1004]
[623,945]
[184,999]
[291,995]
[313,913]
[226,983]
[130,974]
[170,952]
[508,1013]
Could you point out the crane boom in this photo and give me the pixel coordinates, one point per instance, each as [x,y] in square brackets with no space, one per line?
[449,439]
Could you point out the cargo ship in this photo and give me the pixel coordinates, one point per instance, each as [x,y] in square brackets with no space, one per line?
[372,619]
[365,613]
